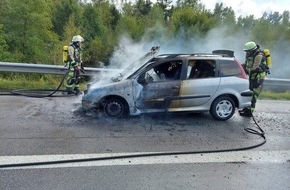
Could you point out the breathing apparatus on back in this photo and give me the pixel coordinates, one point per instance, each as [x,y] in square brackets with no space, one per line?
[252,49]
[266,62]
[268,59]
[65,54]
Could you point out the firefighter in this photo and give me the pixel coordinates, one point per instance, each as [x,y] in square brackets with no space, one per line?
[74,64]
[255,70]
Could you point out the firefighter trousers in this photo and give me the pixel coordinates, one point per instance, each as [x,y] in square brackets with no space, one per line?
[256,85]
[72,81]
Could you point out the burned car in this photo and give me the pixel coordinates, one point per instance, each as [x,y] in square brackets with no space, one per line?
[213,82]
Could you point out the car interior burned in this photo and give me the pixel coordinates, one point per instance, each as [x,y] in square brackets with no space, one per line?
[172,70]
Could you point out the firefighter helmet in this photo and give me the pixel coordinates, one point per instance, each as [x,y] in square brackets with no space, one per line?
[250,46]
[77,38]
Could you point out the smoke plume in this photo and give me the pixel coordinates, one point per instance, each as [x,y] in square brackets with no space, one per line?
[128,51]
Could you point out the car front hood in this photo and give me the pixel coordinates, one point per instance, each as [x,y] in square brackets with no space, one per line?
[116,88]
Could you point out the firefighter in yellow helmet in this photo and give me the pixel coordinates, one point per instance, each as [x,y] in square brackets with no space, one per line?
[74,64]
[254,67]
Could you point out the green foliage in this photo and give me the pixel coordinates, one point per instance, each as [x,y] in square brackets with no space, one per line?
[36,30]
[224,15]
[62,11]
[275,95]
[28,26]
[142,8]
[97,53]
[92,22]
[166,7]
[4,54]
[246,25]
[25,81]
[188,3]
[155,23]
[130,25]
[190,21]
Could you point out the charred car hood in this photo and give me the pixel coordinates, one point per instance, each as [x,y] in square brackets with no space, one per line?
[115,88]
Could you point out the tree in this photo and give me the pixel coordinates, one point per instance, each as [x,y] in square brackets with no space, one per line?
[166,7]
[92,22]
[224,15]
[246,24]
[130,25]
[191,22]
[62,11]
[188,3]
[273,18]
[271,28]
[4,55]
[286,19]
[142,7]
[155,23]
[28,27]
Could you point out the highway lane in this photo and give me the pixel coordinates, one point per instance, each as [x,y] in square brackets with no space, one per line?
[45,129]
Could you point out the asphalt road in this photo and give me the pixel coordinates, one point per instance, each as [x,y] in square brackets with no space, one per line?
[34,130]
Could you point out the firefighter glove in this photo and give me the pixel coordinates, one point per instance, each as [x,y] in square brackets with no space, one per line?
[73,63]
[77,68]
[257,70]
[245,68]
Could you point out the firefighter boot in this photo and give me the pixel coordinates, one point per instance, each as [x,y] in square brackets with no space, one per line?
[69,90]
[246,112]
[77,91]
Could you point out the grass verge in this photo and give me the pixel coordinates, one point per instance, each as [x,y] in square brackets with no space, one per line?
[275,95]
[8,85]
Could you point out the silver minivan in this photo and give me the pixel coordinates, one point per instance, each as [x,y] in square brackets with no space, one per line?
[175,83]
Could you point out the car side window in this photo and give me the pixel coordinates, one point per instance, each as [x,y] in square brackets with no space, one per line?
[165,71]
[229,68]
[201,69]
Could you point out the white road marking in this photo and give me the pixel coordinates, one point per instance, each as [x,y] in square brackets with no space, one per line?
[228,157]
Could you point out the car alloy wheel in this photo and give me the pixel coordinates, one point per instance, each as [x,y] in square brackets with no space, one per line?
[222,108]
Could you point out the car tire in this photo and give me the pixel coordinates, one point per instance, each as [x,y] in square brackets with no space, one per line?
[115,108]
[222,108]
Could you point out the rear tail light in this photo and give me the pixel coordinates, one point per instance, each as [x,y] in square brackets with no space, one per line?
[243,73]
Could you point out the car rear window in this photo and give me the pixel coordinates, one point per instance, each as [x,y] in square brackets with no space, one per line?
[229,68]
[201,69]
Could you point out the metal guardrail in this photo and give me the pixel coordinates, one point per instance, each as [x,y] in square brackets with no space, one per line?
[277,85]
[47,69]
[274,84]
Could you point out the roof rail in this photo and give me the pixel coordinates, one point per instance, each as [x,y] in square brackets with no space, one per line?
[224,53]
[221,53]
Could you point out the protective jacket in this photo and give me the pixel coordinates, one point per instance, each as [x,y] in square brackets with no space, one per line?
[253,64]
[74,54]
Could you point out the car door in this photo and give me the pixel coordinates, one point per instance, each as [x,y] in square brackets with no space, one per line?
[198,88]
[160,88]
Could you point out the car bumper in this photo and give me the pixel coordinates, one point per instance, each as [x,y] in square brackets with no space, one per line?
[247,93]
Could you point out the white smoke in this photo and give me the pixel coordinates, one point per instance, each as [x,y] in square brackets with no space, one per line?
[128,51]
[280,60]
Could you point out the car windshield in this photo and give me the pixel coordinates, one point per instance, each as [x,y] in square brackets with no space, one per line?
[136,65]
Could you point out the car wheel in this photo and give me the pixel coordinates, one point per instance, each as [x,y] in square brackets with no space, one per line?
[222,108]
[115,108]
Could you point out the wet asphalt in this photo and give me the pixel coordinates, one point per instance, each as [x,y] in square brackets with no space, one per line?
[57,125]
